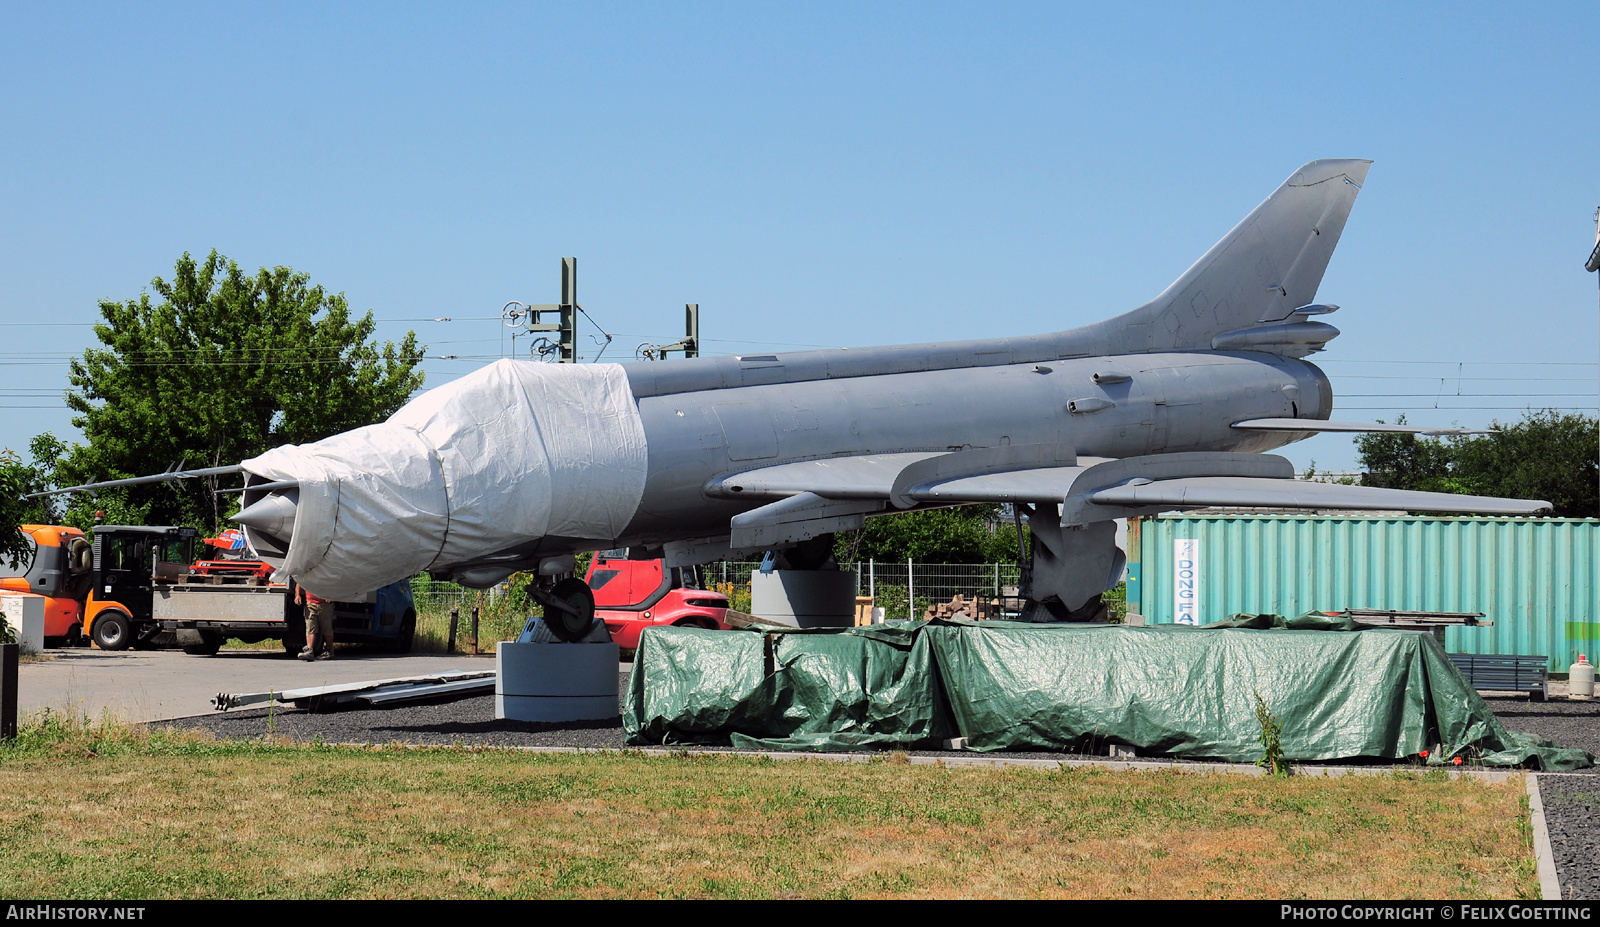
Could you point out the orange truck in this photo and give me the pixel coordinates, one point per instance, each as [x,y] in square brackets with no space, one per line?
[58,569]
[100,591]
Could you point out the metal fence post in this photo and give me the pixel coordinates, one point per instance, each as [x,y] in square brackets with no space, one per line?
[911,592]
[455,615]
[872,579]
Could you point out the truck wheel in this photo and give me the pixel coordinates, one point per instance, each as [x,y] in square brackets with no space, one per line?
[294,636]
[112,632]
[209,643]
[408,632]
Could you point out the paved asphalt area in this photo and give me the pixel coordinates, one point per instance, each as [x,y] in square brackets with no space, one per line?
[176,689]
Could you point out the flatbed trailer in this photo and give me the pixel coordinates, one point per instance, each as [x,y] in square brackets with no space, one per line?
[203,612]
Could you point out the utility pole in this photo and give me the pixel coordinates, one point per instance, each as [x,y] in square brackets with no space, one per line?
[565,328]
[1592,266]
[690,345]
[569,310]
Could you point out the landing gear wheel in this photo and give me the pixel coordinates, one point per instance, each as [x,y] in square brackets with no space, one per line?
[113,632]
[566,625]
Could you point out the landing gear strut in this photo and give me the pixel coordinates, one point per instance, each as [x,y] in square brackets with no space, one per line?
[1068,566]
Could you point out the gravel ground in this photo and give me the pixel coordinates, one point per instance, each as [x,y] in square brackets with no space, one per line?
[1572,815]
[1571,800]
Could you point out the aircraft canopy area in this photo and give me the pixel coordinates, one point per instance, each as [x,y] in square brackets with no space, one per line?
[1340,689]
[508,454]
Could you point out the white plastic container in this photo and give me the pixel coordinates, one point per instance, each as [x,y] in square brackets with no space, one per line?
[24,611]
[1580,680]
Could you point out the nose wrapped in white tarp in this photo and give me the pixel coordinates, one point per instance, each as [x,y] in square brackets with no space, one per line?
[513,452]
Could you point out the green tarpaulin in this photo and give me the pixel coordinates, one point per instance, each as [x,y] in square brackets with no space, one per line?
[801,690]
[1175,691]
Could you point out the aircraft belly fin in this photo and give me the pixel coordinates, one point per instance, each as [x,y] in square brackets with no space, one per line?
[1250,492]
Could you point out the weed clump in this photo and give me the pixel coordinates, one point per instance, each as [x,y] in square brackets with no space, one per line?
[1271,740]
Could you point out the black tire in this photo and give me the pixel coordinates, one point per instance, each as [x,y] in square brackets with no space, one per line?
[294,636]
[113,631]
[210,643]
[408,632]
[569,627]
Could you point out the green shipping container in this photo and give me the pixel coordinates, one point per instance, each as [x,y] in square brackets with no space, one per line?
[1537,579]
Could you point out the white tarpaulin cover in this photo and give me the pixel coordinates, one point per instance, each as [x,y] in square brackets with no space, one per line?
[513,452]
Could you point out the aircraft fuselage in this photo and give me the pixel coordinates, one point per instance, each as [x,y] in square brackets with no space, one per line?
[1140,404]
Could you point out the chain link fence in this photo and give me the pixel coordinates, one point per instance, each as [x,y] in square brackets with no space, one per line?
[897,587]
[902,589]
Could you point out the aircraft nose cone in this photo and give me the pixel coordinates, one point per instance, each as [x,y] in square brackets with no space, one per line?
[272,515]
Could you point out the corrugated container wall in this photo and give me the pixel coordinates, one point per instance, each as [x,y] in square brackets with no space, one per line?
[1537,579]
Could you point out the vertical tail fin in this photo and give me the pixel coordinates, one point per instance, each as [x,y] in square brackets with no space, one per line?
[1270,264]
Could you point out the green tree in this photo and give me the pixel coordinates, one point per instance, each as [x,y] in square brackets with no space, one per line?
[17,480]
[14,480]
[224,367]
[1548,455]
[968,534]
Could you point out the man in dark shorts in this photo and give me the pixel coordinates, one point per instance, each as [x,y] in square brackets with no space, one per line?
[319,625]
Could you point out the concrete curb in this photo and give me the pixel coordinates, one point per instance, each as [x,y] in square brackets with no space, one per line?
[1544,858]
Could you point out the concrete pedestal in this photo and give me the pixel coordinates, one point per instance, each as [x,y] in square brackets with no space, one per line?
[556,682]
[804,598]
[25,614]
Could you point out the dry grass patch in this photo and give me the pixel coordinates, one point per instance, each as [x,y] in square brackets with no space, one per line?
[167,817]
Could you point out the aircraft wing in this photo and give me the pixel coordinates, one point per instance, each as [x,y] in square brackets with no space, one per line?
[821,496]
[1317,425]
[1254,493]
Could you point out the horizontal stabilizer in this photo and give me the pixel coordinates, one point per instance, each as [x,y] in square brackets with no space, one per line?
[1198,492]
[1302,424]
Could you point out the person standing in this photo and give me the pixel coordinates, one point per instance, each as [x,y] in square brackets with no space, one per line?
[319,624]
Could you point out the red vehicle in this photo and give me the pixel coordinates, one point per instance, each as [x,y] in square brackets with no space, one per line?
[231,559]
[258,568]
[631,595]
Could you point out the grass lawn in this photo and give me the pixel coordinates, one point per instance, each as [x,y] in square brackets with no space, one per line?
[116,812]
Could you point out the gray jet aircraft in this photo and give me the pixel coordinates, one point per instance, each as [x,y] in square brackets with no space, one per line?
[1173,405]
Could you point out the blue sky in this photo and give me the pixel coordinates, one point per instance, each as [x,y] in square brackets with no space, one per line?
[816,174]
